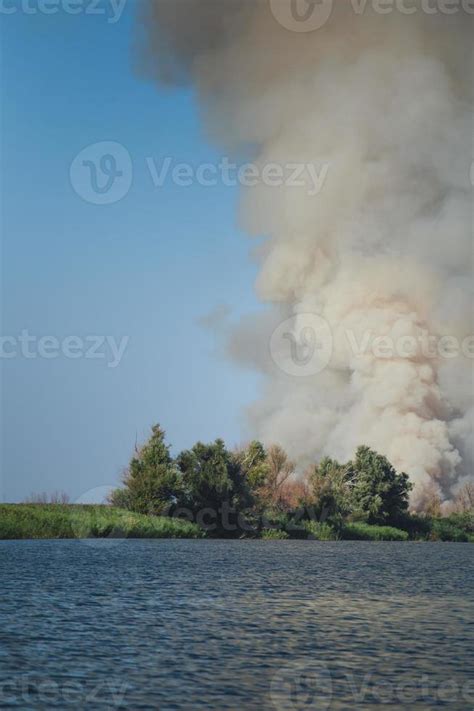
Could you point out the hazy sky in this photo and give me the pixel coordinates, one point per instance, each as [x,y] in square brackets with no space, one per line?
[146,267]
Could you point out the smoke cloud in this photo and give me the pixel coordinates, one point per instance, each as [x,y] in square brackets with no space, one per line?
[384,249]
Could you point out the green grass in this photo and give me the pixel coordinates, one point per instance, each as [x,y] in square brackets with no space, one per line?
[87,521]
[320,531]
[365,532]
[91,521]
[273,534]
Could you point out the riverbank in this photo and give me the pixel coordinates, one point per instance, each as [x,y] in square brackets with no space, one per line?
[29,521]
[26,521]
[457,528]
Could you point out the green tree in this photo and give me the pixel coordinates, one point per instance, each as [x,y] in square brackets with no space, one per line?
[267,473]
[279,470]
[376,489]
[152,481]
[330,491]
[254,465]
[213,482]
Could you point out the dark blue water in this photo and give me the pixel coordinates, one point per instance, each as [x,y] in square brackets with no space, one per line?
[232,625]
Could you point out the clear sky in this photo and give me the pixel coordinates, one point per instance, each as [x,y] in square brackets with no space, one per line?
[146,267]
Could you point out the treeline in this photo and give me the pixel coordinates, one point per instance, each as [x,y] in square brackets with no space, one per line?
[253,491]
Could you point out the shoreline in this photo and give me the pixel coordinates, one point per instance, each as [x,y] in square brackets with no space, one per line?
[35,521]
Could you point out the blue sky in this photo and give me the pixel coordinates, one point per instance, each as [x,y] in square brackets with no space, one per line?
[146,267]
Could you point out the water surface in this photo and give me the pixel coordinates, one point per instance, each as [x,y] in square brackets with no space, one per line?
[236,624]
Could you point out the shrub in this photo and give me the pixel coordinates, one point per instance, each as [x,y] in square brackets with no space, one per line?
[418,527]
[463,520]
[444,529]
[320,531]
[120,498]
[273,534]
[366,532]
[276,519]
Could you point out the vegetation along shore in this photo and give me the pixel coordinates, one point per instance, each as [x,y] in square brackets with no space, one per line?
[252,492]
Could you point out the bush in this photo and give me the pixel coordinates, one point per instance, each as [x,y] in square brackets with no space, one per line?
[458,527]
[289,523]
[276,519]
[366,532]
[320,531]
[464,521]
[120,498]
[417,527]
[444,529]
[273,534]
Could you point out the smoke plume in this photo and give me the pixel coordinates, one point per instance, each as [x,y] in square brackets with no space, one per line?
[384,249]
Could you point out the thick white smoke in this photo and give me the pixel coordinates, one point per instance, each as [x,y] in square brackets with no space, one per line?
[384,249]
